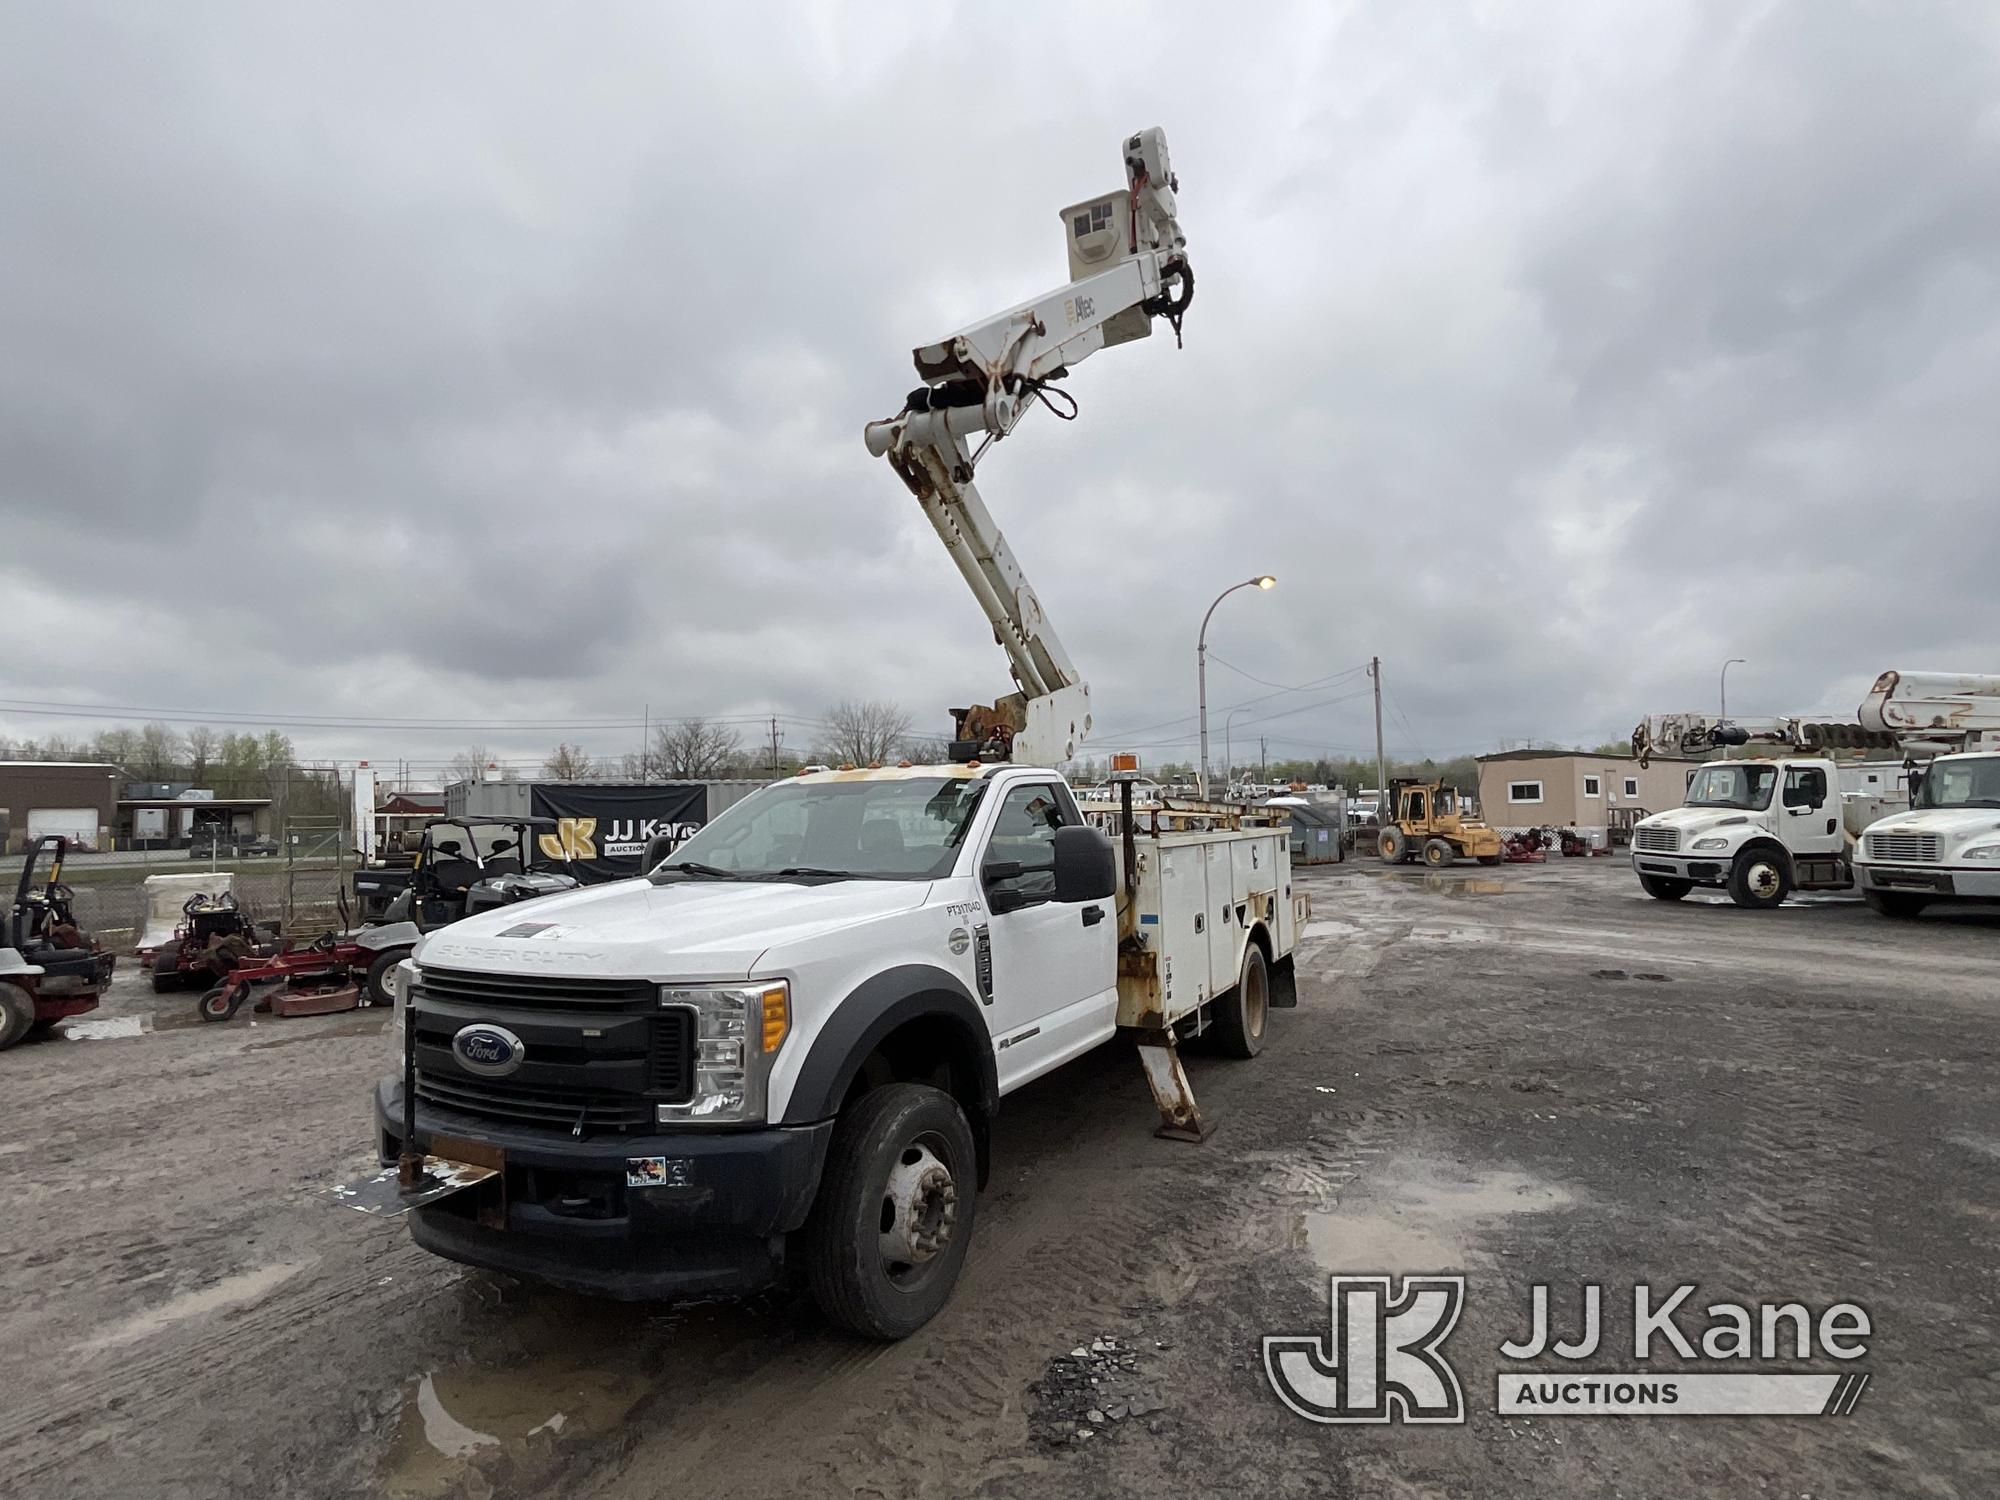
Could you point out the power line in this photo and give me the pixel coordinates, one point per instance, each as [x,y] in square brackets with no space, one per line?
[1227,707]
[44,708]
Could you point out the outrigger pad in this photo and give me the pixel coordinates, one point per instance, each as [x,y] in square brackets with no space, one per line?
[379,1194]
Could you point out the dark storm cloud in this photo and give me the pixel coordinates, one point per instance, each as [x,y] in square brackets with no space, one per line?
[491,362]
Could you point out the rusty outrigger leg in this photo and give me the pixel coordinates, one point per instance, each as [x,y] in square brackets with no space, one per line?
[1180,1117]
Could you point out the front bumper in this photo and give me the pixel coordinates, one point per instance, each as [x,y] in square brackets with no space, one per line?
[1701,869]
[567,1217]
[1956,882]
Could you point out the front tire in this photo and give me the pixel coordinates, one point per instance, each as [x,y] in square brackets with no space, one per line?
[17,1014]
[1393,845]
[1664,888]
[1895,903]
[1237,1019]
[1758,880]
[889,1229]
[222,1002]
[376,987]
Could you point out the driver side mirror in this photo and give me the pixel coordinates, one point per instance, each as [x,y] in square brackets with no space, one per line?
[658,847]
[1086,867]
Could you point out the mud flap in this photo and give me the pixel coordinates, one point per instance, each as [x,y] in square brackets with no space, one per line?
[1180,1117]
[1284,984]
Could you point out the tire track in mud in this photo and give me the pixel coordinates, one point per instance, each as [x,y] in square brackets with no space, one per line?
[1073,1243]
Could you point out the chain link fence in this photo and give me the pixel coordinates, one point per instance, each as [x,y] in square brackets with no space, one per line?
[301,893]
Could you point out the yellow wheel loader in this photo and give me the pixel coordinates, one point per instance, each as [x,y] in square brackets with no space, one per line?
[1427,821]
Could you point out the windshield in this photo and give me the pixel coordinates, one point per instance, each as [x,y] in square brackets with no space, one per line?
[1747,786]
[1961,783]
[906,828]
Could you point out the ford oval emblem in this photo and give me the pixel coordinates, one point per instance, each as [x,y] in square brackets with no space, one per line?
[488,1050]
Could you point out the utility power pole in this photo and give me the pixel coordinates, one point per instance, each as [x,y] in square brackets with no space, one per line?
[645,740]
[1381,762]
[775,772]
[1263,762]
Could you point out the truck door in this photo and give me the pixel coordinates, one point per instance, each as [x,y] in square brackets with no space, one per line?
[1811,817]
[1055,964]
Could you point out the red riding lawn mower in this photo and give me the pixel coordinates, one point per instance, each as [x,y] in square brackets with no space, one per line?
[49,967]
[213,937]
[1529,848]
[325,976]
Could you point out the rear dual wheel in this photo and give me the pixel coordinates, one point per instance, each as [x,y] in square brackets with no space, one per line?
[1237,1019]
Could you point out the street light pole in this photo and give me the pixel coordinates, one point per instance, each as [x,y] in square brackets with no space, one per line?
[1228,755]
[1261,581]
[1734,661]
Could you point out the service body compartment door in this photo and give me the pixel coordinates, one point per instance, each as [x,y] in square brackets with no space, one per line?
[1225,937]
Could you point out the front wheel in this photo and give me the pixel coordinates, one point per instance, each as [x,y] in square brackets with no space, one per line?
[221,1003]
[375,991]
[1237,1018]
[1664,888]
[17,1014]
[1757,880]
[889,1229]
[1393,845]
[1895,903]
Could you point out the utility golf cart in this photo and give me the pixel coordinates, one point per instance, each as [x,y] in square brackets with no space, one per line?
[49,968]
[458,873]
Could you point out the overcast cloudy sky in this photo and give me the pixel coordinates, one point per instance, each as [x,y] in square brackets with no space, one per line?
[497,362]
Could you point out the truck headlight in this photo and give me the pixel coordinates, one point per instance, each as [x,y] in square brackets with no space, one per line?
[1710,843]
[738,1029]
[1981,852]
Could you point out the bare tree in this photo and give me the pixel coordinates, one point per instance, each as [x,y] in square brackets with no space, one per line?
[568,762]
[159,752]
[693,749]
[202,743]
[469,764]
[861,734]
[927,749]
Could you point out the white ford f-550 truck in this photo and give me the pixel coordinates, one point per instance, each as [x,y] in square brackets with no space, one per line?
[789,1040]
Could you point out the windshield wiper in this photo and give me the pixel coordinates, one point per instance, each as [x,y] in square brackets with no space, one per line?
[815,870]
[693,868]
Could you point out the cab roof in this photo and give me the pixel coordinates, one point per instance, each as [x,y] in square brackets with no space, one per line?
[959,770]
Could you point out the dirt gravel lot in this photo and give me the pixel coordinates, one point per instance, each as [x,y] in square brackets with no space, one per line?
[1523,1075]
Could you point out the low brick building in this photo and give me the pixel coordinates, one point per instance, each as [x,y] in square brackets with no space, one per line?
[78,799]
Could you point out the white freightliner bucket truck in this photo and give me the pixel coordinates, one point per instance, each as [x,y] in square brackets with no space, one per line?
[1764,826]
[786,1043]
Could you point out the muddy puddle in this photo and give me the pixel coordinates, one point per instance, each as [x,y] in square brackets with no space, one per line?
[546,1377]
[1418,1216]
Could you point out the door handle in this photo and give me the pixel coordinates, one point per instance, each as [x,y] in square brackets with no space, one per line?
[1092,915]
